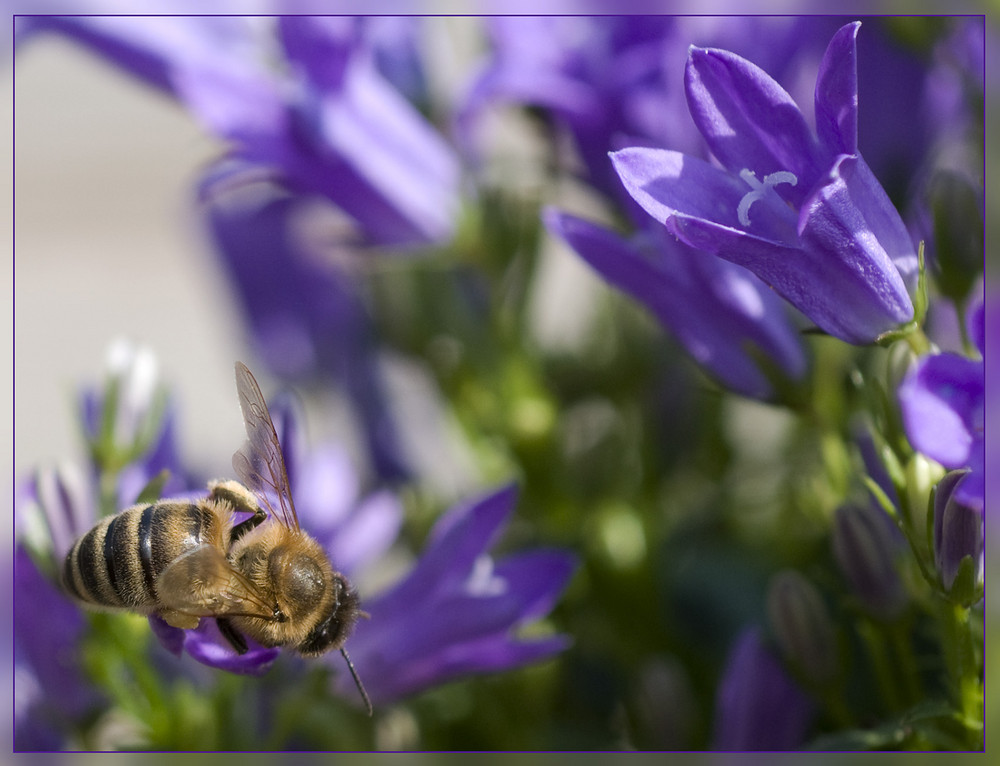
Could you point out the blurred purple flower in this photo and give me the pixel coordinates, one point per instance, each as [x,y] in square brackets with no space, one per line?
[458,611]
[942,399]
[292,277]
[51,691]
[758,706]
[600,77]
[610,81]
[329,123]
[801,210]
[721,313]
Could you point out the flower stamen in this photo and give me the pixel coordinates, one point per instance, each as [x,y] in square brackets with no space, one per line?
[759,189]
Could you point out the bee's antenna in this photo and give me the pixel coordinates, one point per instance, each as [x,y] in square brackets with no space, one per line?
[357,681]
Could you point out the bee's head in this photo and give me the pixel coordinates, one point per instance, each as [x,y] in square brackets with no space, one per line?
[333,629]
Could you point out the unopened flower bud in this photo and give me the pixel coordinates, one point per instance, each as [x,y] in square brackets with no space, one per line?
[802,626]
[120,420]
[958,541]
[865,551]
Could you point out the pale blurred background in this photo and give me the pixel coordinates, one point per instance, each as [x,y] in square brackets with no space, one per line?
[107,245]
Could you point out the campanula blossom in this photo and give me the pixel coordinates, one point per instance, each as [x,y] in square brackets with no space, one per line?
[598,77]
[942,399]
[611,80]
[291,271]
[458,611]
[758,706]
[801,209]
[721,313]
[327,121]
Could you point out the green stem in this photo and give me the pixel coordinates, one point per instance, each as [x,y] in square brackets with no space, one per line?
[918,342]
[963,669]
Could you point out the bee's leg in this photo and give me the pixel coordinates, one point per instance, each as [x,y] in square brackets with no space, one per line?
[235,494]
[240,498]
[245,526]
[233,636]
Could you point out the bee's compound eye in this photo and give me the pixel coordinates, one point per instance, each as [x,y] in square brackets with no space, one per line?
[332,632]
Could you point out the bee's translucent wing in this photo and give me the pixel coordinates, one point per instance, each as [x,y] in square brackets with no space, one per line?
[259,463]
[204,584]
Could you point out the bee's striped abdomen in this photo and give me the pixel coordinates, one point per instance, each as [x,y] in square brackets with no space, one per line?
[117,563]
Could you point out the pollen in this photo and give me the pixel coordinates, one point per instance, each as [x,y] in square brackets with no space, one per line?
[758,189]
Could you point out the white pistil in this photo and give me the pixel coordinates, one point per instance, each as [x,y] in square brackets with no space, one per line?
[759,189]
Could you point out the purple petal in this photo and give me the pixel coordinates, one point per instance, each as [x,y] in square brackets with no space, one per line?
[748,120]
[713,307]
[207,645]
[850,285]
[538,577]
[942,404]
[151,48]
[172,638]
[394,157]
[246,107]
[321,46]
[368,533]
[837,93]
[386,683]
[882,226]
[699,202]
[455,542]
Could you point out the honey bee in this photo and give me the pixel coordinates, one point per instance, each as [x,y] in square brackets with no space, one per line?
[183,560]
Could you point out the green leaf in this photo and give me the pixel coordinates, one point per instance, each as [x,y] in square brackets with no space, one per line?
[966,589]
[927,725]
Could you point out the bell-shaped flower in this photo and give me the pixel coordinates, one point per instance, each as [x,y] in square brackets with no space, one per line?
[943,403]
[800,209]
[458,611]
[722,314]
[326,120]
[289,258]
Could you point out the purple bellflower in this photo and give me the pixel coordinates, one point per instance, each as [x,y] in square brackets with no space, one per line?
[758,706]
[457,612]
[329,123]
[942,399]
[597,76]
[802,210]
[719,312]
[292,276]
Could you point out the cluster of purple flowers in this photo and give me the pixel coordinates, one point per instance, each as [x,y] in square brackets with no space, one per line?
[478,602]
[746,222]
